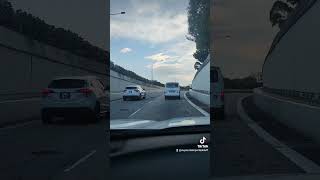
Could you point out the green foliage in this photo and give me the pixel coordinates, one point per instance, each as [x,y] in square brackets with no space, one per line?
[198,20]
[37,29]
[243,83]
[133,75]
[280,11]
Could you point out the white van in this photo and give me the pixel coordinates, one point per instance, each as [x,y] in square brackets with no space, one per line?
[217,93]
[172,89]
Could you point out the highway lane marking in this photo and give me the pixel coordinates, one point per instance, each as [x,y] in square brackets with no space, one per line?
[139,109]
[135,112]
[304,163]
[19,100]
[84,158]
[195,106]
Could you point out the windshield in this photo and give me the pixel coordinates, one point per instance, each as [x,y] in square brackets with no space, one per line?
[172,85]
[165,73]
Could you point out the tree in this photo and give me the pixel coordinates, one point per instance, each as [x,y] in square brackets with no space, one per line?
[37,29]
[198,21]
[280,11]
[197,65]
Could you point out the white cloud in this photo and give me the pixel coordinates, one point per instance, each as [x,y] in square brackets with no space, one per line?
[159,57]
[176,63]
[157,24]
[149,23]
[125,50]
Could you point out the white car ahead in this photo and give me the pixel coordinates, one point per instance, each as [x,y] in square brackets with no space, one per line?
[70,96]
[172,89]
[134,91]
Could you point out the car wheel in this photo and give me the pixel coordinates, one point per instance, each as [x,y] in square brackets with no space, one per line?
[165,98]
[124,98]
[46,118]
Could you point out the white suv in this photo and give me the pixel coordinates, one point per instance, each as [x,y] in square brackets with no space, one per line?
[70,96]
[172,89]
[217,93]
[134,91]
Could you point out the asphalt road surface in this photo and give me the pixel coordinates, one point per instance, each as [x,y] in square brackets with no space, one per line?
[60,151]
[238,151]
[154,107]
[78,150]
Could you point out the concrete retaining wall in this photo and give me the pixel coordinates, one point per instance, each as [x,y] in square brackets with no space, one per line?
[302,117]
[293,63]
[27,66]
[118,83]
[201,84]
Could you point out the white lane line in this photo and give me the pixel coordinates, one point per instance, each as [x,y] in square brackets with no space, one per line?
[139,109]
[80,161]
[304,163]
[19,100]
[135,112]
[195,106]
[18,125]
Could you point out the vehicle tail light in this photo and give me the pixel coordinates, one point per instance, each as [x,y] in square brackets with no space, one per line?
[222,96]
[46,92]
[85,91]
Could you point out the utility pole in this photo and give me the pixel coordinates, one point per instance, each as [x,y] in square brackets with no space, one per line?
[152,72]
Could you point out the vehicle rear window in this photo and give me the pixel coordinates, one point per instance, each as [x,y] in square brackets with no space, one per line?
[214,75]
[172,85]
[131,87]
[67,83]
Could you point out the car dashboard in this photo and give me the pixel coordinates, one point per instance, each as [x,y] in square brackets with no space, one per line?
[160,157]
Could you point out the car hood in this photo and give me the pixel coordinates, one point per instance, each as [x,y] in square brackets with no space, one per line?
[152,124]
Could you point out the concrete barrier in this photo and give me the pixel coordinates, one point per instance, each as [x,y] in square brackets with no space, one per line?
[201,83]
[302,117]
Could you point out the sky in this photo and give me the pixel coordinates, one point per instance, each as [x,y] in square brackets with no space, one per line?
[89,19]
[152,33]
[251,34]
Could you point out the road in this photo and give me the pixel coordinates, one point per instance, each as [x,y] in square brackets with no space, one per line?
[56,152]
[78,150]
[75,150]
[238,151]
[154,107]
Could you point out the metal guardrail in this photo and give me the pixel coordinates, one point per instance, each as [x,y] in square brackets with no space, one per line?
[311,98]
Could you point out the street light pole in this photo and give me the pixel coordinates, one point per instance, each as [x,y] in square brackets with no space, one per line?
[152,72]
[111,14]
